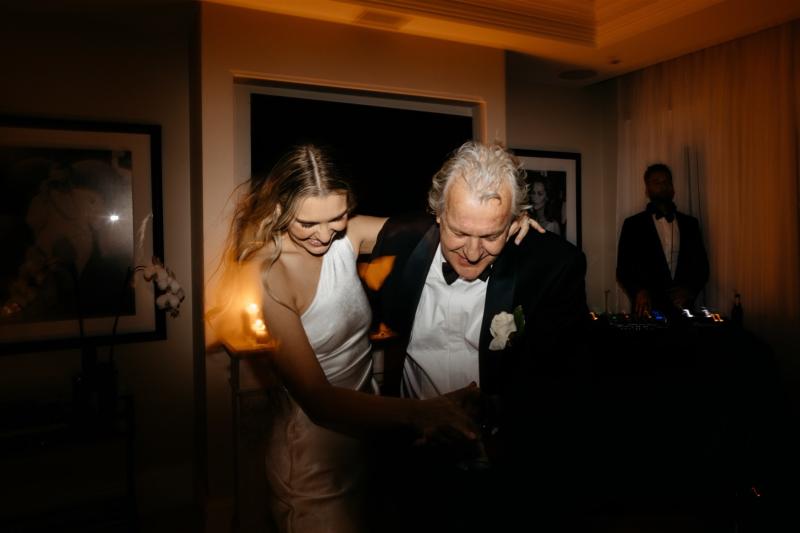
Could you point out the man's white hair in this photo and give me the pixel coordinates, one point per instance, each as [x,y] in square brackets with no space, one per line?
[484,169]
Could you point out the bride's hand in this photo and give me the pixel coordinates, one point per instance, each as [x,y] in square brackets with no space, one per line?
[445,420]
[525,224]
[468,399]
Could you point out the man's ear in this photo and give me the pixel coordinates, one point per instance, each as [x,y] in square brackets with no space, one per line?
[439,220]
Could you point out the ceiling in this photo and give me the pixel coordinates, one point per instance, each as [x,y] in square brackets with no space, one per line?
[571,42]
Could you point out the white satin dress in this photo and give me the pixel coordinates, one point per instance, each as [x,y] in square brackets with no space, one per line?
[316,475]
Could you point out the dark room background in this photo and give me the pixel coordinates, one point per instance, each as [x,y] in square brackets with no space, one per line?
[389,154]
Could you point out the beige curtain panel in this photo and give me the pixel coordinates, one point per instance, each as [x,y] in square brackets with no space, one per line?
[726,120]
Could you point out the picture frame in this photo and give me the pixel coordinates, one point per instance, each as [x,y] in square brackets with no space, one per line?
[80,210]
[558,174]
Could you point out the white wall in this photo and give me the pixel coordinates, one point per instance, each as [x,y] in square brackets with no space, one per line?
[238,42]
[579,120]
[120,64]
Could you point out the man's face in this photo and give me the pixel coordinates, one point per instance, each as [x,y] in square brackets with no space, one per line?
[473,233]
[659,187]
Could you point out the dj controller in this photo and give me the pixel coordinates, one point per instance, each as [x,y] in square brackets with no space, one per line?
[656,320]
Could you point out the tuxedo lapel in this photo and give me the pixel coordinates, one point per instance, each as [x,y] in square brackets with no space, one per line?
[499,297]
[416,272]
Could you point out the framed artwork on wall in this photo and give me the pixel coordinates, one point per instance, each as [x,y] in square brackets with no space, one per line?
[554,180]
[80,208]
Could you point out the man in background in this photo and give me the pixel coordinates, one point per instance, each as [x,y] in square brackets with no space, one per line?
[661,261]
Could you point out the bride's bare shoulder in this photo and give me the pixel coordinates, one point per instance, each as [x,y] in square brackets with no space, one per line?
[289,276]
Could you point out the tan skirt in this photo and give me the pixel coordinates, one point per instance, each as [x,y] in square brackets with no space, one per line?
[316,476]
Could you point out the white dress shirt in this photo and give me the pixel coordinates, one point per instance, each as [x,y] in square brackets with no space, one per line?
[443,348]
[670,236]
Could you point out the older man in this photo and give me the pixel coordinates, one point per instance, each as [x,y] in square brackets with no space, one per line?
[459,285]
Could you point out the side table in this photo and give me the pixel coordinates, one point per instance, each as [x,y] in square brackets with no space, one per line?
[237,354]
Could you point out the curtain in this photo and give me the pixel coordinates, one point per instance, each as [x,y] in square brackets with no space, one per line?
[725,119]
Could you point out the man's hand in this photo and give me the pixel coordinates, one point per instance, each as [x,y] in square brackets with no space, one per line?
[680,296]
[643,305]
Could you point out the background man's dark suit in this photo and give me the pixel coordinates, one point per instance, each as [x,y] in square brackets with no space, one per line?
[545,275]
[641,263]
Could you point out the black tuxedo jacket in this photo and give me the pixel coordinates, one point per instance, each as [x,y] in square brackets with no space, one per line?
[641,263]
[544,275]
[537,416]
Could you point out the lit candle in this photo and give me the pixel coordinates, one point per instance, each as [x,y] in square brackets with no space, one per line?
[254,324]
[249,313]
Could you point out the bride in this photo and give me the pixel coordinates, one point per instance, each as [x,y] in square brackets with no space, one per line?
[295,225]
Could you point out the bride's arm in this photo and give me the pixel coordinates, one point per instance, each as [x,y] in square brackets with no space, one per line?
[342,409]
[363,230]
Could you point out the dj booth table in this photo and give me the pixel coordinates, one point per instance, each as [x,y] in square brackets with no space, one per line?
[669,416]
[648,420]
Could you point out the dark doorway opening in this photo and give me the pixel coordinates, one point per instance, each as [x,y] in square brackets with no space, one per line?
[389,153]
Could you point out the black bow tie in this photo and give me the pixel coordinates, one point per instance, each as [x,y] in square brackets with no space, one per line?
[669,215]
[450,275]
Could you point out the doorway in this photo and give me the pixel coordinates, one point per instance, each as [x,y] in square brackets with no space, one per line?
[388,146]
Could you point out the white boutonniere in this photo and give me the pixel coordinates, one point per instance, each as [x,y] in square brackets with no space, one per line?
[504,327]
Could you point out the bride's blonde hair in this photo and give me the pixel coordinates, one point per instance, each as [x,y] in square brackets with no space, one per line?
[265,211]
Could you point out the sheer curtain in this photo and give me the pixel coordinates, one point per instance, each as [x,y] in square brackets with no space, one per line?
[726,121]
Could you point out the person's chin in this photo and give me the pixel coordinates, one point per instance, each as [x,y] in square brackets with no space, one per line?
[317,249]
[469,274]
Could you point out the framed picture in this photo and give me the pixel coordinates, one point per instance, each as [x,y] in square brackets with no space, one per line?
[80,209]
[554,179]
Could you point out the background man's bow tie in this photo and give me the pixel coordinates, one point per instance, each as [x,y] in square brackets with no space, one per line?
[669,214]
[450,275]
